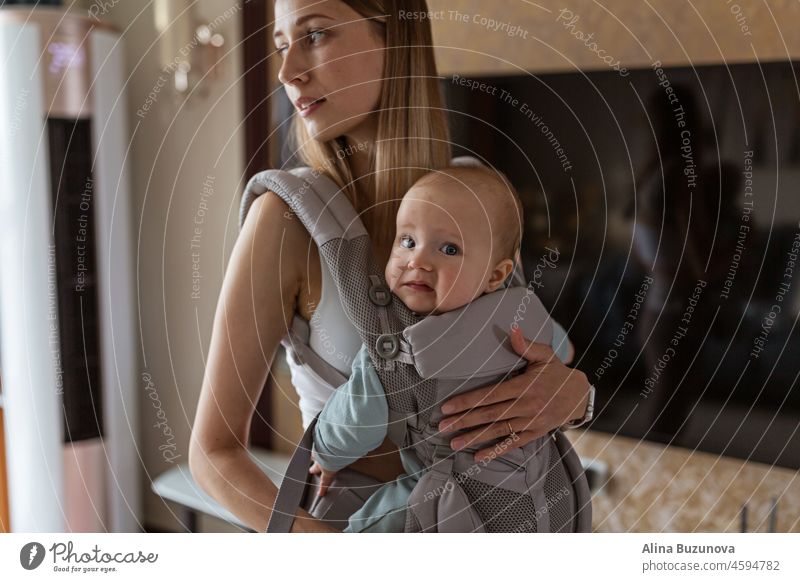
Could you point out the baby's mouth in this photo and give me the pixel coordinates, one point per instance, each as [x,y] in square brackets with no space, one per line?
[418,286]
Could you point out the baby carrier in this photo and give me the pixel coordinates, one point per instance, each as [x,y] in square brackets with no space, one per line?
[421,362]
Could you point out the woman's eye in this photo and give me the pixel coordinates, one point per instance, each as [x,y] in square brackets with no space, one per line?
[315,35]
[450,249]
[312,36]
[406,242]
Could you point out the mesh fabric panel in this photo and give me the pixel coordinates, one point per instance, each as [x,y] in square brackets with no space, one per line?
[349,262]
[560,494]
[500,510]
[412,523]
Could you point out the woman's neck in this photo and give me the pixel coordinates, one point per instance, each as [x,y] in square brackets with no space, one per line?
[360,144]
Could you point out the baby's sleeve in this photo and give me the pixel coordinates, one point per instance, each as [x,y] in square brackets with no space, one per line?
[560,342]
[354,420]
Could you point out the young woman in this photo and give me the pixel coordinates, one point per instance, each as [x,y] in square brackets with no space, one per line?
[362,77]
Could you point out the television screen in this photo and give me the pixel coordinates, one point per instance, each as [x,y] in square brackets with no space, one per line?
[662,230]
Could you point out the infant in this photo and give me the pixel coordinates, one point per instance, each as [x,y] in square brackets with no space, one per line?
[458,232]
[458,237]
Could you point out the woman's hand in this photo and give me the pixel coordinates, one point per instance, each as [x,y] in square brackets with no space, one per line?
[542,398]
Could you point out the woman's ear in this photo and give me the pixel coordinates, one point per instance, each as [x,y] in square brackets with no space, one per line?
[500,273]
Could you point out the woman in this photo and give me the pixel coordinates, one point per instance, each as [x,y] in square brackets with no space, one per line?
[362,77]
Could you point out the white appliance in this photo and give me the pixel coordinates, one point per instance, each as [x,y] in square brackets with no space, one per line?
[68,320]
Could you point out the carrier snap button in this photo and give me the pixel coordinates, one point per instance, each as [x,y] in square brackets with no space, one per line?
[380,295]
[387,346]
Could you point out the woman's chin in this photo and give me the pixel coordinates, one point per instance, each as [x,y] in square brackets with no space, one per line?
[315,132]
[321,127]
[321,132]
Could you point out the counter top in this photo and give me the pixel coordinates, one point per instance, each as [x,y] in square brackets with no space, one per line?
[653,487]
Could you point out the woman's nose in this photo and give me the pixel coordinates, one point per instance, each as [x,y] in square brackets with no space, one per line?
[293,69]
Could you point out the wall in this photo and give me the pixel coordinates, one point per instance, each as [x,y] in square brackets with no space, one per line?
[513,36]
[180,158]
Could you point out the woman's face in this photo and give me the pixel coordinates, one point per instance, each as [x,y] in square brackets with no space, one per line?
[332,66]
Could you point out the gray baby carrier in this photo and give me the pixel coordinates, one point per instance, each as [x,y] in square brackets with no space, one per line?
[421,362]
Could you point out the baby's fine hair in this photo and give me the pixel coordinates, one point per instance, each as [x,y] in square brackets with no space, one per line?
[498,195]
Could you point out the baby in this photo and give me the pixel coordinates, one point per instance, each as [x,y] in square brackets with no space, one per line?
[458,235]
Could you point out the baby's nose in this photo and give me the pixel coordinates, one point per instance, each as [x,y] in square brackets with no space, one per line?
[419,261]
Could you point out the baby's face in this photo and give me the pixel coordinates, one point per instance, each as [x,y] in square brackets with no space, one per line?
[442,254]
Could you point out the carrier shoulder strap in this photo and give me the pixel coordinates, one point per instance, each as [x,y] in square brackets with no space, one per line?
[316,207]
[294,484]
[318,202]
[327,215]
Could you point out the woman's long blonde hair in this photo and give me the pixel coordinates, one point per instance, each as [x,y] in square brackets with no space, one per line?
[412,134]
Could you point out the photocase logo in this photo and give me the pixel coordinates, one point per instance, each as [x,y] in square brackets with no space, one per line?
[31,555]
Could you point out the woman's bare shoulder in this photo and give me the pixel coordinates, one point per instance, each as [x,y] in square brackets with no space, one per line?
[270,220]
[282,250]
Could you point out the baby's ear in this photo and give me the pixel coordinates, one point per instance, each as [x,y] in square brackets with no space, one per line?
[500,273]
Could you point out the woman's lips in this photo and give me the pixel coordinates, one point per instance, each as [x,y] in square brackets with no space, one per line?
[419,287]
[311,108]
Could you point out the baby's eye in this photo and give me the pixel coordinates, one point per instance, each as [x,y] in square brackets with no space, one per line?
[406,242]
[450,249]
[281,50]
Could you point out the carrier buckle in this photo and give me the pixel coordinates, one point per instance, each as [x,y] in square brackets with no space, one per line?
[387,346]
[379,294]
[441,452]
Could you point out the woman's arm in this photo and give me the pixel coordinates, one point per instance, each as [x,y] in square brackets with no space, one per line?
[543,398]
[255,307]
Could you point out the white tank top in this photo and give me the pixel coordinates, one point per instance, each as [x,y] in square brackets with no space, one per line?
[334,338]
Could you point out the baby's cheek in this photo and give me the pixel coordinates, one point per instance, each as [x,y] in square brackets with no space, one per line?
[454,280]
[390,274]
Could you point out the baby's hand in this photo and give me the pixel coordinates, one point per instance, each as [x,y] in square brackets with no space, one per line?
[325,478]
